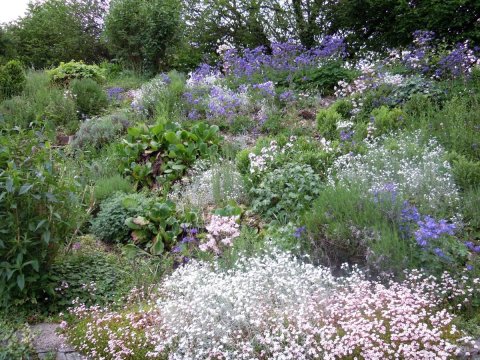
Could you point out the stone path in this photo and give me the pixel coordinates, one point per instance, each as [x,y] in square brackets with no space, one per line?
[49,345]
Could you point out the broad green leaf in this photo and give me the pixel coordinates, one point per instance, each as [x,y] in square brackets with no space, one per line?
[24,189]
[21,281]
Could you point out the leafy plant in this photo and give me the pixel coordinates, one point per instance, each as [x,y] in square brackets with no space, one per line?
[158,228]
[161,153]
[39,208]
[385,119]
[323,78]
[97,132]
[89,96]
[327,120]
[107,186]
[12,79]
[109,224]
[92,277]
[287,191]
[67,72]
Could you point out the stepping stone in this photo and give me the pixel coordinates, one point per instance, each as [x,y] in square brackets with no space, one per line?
[47,342]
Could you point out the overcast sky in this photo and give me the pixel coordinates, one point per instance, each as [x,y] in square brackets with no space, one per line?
[12,9]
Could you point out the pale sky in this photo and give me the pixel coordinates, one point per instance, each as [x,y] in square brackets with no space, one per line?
[12,9]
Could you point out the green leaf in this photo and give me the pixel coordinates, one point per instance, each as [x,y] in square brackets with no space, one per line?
[158,247]
[171,137]
[24,189]
[9,185]
[21,281]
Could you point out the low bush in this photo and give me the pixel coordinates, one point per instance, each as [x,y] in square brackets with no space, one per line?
[89,96]
[67,72]
[344,226]
[12,79]
[61,113]
[87,276]
[107,186]
[98,132]
[327,120]
[109,224]
[286,191]
[323,78]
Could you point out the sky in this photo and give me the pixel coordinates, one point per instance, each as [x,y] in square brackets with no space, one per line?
[12,9]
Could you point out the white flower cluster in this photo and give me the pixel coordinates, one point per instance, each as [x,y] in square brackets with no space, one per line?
[344,125]
[260,163]
[275,307]
[222,230]
[219,183]
[417,171]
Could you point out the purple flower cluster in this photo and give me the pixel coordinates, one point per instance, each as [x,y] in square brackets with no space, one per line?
[115,93]
[387,193]
[418,57]
[458,62]
[287,96]
[224,103]
[266,89]
[430,229]
[472,247]
[299,232]
[288,56]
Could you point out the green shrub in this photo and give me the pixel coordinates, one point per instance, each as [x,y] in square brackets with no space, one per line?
[39,208]
[286,191]
[344,225]
[466,172]
[61,113]
[18,111]
[323,78]
[386,119]
[12,79]
[109,224]
[89,96]
[94,277]
[67,72]
[327,120]
[471,211]
[343,107]
[105,187]
[243,162]
[161,153]
[454,125]
[98,132]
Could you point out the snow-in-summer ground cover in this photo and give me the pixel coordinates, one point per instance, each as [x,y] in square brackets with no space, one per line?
[283,204]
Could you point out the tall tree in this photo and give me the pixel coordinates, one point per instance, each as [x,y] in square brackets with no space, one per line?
[379,24]
[309,18]
[141,33]
[56,30]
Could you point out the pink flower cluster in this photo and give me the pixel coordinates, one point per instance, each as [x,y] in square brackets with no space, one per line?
[222,230]
[274,307]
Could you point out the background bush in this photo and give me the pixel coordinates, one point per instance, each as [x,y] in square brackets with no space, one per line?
[12,79]
[89,96]
[97,132]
